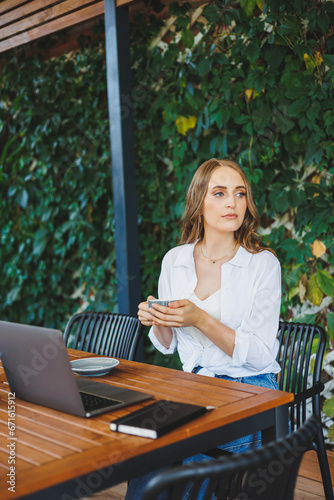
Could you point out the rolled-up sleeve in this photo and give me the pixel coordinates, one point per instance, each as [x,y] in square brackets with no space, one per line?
[164,350]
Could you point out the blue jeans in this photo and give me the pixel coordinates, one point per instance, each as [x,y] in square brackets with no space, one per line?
[252,440]
[136,486]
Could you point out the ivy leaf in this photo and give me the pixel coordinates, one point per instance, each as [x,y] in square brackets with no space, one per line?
[330,43]
[311,150]
[261,117]
[204,66]
[248,6]
[328,407]
[310,62]
[323,20]
[293,198]
[295,92]
[293,275]
[183,124]
[329,118]
[281,201]
[298,107]
[13,295]
[305,318]
[314,293]
[271,39]
[302,288]
[318,248]
[222,115]
[288,27]
[252,51]
[291,247]
[274,55]
[325,282]
[218,144]
[190,88]
[314,111]
[196,101]
[331,433]
[22,198]
[40,241]
[311,17]
[330,324]
[211,13]
[328,60]
[187,38]
[282,122]
[11,191]
[293,292]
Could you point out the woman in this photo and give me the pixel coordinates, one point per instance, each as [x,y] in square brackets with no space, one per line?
[225,287]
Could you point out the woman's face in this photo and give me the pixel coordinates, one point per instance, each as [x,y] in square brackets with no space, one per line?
[225,202]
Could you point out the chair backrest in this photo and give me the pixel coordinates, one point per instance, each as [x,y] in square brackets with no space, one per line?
[268,472]
[300,355]
[109,334]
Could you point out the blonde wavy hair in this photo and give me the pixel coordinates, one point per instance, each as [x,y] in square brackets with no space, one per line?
[192,220]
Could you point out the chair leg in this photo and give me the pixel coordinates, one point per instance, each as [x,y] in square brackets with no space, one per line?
[324,466]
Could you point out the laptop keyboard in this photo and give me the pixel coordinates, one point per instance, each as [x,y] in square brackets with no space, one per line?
[92,402]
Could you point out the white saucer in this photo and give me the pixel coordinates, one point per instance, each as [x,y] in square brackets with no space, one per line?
[93,367]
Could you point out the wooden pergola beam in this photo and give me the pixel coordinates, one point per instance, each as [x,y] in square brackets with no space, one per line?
[22,22]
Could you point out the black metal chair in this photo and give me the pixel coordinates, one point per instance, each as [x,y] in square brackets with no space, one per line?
[300,355]
[265,473]
[109,334]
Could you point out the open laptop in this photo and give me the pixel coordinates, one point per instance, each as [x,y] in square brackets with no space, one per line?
[38,370]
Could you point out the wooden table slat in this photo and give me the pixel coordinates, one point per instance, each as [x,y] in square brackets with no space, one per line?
[68,440]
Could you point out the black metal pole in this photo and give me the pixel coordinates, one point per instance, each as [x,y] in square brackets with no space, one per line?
[117,36]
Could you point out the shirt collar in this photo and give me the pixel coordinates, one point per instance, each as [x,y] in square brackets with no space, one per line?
[186,257]
[241,258]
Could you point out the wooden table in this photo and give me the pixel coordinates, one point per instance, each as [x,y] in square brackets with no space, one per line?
[64,457]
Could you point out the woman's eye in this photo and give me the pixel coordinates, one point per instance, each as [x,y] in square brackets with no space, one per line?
[241,194]
[219,194]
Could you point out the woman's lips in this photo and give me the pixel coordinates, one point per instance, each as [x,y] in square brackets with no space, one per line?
[230,216]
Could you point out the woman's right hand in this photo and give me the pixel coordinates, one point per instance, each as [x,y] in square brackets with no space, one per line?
[163,334]
[143,315]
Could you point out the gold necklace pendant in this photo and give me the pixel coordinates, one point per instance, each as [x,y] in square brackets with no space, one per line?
[216,260]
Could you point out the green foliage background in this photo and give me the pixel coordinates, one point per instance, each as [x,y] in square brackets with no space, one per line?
[252,82]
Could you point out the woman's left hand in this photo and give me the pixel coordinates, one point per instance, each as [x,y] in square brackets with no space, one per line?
[178,313]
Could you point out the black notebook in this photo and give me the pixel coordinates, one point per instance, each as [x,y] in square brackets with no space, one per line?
[157,418]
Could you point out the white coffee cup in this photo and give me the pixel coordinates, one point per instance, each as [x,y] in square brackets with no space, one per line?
[162,302]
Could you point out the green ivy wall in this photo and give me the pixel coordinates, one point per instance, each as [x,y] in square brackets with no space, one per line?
[252,82]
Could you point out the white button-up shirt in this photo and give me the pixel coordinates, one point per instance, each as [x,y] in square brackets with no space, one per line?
[250,300]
